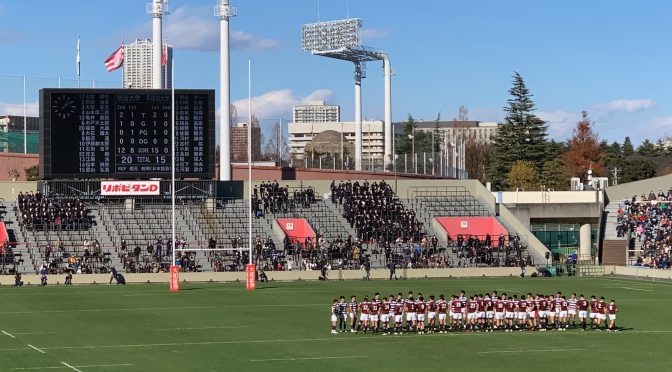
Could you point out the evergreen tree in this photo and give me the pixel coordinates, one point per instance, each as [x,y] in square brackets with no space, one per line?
[552,175]
[628,148]
[584,151]
[522,136]
[646,148]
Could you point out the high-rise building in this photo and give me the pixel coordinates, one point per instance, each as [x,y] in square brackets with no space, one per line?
[317,112]
[138,66]
[239,143]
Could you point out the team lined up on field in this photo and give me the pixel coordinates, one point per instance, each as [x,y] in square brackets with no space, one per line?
[471,314]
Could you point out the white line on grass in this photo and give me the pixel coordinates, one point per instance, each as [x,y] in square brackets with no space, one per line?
[8,334]
[34,333]
[637,289]
[197,328]
[34,348]
[64,367]
[71,367]
[527,351]
[312,358]
[107,310]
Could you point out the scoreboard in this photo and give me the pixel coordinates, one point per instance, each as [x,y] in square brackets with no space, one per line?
[125,133]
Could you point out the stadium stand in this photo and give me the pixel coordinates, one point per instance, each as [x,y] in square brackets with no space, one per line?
[359,224]
[646,223]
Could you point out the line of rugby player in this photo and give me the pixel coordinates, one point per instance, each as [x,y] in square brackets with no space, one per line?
[471,314]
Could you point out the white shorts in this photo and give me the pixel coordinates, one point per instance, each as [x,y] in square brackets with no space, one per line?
[333,318]
[421,317]
[542,314]
[601,316]
[457,316]
[481,314]
[398,318]
[442,316]
[592,315]
[431,315]
[489,314]
[521,315]
[385,317]
[499,315]
[411,317]
[374,318]
[532,315]
[471,316]
[364,317]
[509,315]
[551,314]
[582,314]
[571,311]
[562,314]
[612,316]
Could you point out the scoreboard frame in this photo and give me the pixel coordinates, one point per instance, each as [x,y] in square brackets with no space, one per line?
[54,113]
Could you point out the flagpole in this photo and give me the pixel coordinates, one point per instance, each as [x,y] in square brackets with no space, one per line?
[249,152]
[78,67]
[172,178]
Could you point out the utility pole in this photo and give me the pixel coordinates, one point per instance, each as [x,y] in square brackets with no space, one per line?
[615,178]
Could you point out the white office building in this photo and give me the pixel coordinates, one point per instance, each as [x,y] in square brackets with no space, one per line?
[138,66]
[300,134]
[317,112]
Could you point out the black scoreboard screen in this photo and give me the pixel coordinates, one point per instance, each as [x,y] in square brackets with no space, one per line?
[126,133]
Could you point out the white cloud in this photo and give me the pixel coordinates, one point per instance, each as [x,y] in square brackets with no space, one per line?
[278,103]
[626,105]
[560,123]
[10,108]
[194,28]
[373,33]
[662,122]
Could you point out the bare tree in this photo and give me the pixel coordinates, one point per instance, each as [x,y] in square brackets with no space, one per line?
[475,150]
[233,115]
[276,147]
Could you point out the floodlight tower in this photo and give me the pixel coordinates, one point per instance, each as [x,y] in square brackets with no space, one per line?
[157,9]
[224,11]
[341,40]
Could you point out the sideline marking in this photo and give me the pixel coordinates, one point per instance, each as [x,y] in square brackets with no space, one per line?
[71,367]
[34,348]
[8,334]
[63,367]
[638,289]
[197,328]
[526,351]
[312,358]
[107,310]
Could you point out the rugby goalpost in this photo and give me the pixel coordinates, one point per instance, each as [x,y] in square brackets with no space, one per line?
[250,269]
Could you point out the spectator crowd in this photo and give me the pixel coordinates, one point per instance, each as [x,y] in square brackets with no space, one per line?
[40,212]
[647,221]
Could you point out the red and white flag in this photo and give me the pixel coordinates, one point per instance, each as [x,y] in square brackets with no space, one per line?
[164,55]
[115,60]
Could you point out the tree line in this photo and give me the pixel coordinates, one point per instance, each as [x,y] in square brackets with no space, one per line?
[521,155]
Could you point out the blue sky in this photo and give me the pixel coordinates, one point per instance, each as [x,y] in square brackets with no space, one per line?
[610,58]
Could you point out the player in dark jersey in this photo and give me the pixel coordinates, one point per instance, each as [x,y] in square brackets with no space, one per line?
[374,314]
[334,316]
[431,314]
[601,313]
[563,324]
[411,315]
[353,307]
[582,306]
[442,310]
[398,313]
[342,317]
[593,311]
[364,308]
[421,311]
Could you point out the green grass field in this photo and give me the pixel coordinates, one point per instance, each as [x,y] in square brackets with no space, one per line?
[285,326]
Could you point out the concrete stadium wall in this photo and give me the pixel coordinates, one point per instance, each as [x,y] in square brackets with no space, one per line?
[627,190]
[9,190]
[8,280]
[9,161]
[638,272]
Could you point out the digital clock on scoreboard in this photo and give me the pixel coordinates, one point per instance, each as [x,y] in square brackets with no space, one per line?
[126,133]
